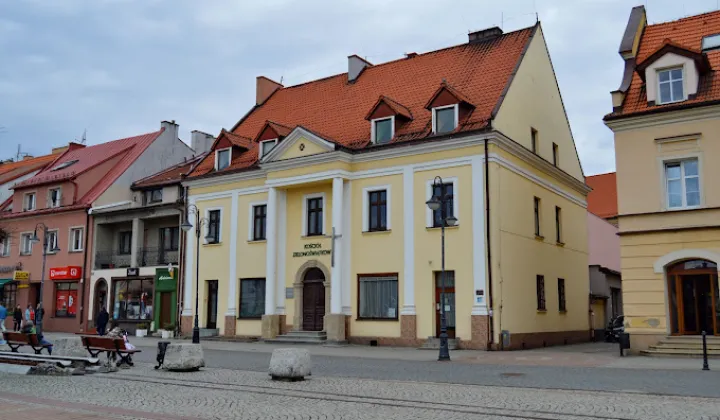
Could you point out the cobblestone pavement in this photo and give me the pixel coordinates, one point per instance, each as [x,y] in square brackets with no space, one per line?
[142,392]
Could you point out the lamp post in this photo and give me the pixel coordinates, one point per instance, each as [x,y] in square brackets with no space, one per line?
[186,226]
[35,239]
[439,201]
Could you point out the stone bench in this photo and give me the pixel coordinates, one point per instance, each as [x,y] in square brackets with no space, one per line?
[183,357]
[290,364]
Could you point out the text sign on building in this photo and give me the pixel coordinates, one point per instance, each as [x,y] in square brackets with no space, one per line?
[133,272]
[66,273]
[21,275]
[312,250]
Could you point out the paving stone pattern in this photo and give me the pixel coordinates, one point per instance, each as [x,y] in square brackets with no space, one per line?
[231,394]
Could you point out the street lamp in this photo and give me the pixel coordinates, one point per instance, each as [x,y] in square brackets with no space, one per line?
[439,202]
[186,226]
[35,239]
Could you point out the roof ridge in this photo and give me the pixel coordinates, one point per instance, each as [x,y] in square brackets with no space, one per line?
[170,168]
[686,18]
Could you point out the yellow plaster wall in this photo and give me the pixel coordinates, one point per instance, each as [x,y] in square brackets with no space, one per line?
[534,100]
[426,157]
[308,170]
[309,148]
[221,186]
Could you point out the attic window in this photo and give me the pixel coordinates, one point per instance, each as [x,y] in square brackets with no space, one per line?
[445,119]
[383,130]
[711,42]
[670,83]
[266,146]
[64,165]
[222,159]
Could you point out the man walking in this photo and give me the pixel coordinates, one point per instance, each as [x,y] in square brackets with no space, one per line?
[102,320]
[3,315]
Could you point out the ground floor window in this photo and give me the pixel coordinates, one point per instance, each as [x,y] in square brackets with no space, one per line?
[66,299]
[8,296]
[133,299]
[378,296]
[252,298]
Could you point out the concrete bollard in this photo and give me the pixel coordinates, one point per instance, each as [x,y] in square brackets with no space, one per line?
[290,364]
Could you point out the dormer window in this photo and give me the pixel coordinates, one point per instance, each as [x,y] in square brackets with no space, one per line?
[445,119]
[383,130]
[670,83]
[54,197]
[266,146]
[222,158]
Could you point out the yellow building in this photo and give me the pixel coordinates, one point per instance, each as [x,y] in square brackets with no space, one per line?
[665,121]
[316,215]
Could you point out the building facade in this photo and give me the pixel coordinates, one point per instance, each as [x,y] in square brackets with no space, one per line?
[314,214]
[665,122]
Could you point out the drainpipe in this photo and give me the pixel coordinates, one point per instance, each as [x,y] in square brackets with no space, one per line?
[489,248]
[181,264]
[84,269]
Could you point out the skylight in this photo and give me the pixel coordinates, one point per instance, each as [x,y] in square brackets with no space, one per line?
[64,165]
[711,42]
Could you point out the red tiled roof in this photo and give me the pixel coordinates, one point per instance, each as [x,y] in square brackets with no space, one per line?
[398,108]
[688,33]
[332,106]
[14,170]
[602,200]
[172,175]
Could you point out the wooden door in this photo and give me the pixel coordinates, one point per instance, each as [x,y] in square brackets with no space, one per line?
[313,305]
[166,308]
[449,302]
[212,304]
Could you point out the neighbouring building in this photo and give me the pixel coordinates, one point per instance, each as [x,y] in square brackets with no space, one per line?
[666,120]
[314,210]
[602,200]
[59,198]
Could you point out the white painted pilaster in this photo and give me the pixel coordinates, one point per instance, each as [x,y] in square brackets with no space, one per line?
[232,298]
[271,252]
[346,258]
[281,250]
[136,242]
[337,224]
[478,234]
[189,269]
[408,243]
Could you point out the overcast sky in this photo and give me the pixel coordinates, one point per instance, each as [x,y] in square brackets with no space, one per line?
[116,68]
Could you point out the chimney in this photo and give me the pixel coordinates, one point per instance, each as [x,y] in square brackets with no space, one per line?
[264,88]
[75,146]
[26,157]
[171,128]
[484,35]
[201,142]
[629,45]
[356,65]
[411,55]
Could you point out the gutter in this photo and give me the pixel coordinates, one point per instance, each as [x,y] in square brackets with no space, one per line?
[84,268]
[107,206]
[491,324]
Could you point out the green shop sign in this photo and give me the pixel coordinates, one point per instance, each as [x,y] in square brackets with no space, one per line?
[166,281]
[312,250]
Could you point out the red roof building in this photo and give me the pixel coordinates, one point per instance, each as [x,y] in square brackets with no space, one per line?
[602,200]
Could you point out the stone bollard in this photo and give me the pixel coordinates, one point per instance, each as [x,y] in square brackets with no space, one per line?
[69,347]
[290,364]
[183,357]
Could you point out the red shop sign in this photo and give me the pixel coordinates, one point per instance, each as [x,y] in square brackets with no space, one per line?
[66,273]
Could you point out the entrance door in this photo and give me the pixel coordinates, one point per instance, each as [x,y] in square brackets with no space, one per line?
[212,304]
[166,308]
[448,300]
[100,296]
[313,300]
[693,292]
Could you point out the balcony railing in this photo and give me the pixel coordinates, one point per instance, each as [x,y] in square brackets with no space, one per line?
[105,259]
[157,256]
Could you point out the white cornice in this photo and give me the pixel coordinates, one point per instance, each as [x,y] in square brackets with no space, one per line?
[299,162]
[664,118]
[225,179]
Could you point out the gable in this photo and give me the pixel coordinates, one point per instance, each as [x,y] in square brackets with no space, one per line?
[299,143]
[267,134]
[381,111]
[302,147]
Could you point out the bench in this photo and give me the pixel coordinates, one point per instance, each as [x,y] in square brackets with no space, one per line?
[87,361]
[96,344]
[16,340]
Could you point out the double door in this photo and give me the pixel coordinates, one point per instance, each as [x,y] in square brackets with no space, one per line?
[448,300]
[313,305]
[695,302]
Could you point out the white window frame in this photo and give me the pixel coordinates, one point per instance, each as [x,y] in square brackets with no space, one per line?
[206,229]
[25,199]
[434,117]
[670,81]
[306,197]
[713,42]
[366,205]
[681,161]
[456,202]
[262,147]
[251,220]
[50,203]
[5,247]
[373,131]
[24,235]
[71,241]
[217,161]
[57,241]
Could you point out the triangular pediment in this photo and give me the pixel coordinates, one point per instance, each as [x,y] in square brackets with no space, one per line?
[299,143]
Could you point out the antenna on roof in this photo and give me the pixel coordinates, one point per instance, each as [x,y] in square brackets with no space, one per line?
[84,137]
[281,79]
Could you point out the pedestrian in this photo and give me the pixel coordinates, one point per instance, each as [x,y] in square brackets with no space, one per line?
[17,318]
[3,315]
[29,313]
[39,313]
[29,328]
[102,320]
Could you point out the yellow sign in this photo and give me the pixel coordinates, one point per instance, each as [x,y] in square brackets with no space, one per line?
[21,275]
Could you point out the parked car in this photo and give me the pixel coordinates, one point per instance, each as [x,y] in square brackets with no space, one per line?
[615,326]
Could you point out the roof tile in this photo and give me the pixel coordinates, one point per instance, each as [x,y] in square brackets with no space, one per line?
[602,200]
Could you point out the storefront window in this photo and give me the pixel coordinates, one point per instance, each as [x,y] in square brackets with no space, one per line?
[8,296]
[66,299]
[133,299]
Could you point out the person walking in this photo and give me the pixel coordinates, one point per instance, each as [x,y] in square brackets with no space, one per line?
[29,313]
[3,315]
[17,318]
[39,313]
[102,320]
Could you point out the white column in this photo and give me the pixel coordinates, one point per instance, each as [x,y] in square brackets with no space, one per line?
[136,242]
[408,243]
[337,224]
[189,270]
[271,251]
[478,234]
[281,254]
[346,254]
[232,298]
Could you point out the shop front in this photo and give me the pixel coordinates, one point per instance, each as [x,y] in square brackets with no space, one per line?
[165,298]
[61,298]
[133,300]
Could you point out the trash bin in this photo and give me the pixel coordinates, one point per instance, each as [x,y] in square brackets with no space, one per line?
[162,348]
[624,340]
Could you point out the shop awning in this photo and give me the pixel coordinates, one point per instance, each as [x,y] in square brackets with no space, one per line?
[3,281]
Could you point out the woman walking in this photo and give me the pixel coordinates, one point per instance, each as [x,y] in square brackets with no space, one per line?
[17,318]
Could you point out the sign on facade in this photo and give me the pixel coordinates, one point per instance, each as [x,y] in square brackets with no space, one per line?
[133,272]
[289,293]
[21,275]
[66,273]
[312,250]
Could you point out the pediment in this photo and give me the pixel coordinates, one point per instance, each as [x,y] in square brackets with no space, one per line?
[299,143]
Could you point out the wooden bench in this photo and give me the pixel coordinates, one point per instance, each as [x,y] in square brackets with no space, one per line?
[16,340]
[96,344]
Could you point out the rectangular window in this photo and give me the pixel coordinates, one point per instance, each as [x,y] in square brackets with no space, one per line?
[154,196]
[683,184]
[29,202]
[534,140]
[536,203]
[558,224]
[8,296]
[561,295]
[314,216]
[124,243]
[377,202]
[540,290]
[448,210]
[670,83]
[26,244]
[267,146]
[222,159]
[133,299]
[252,298]
[170,238]
[52,242]
[383,130]
[377,296]
[556,157]
[214,226]
[445,119]
[5,247]
[259,222]
[76,239]
[54,197]
[66,300]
